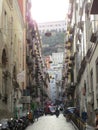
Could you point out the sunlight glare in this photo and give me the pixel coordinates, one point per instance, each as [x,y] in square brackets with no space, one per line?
[49,10]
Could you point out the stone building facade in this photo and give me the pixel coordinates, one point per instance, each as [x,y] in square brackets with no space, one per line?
[84,23]
[11,55]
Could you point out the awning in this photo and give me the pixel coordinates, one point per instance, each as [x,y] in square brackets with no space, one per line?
[94,9]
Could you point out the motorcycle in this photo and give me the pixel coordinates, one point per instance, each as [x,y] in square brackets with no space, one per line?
[57,113]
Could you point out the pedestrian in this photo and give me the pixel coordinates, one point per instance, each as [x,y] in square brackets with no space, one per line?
[84,116]
[76,112]
[36,114]
[96,121]
[57,112]
[30,116]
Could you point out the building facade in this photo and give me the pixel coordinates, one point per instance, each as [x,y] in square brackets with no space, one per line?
[55,73]
[11,55]
[58,26]
[83,24]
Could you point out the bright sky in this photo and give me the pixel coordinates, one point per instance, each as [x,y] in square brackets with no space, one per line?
[49,10]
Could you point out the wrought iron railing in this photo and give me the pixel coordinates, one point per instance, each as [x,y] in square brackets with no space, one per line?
[81,125]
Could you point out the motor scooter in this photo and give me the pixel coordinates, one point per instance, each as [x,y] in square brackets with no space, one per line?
[57,113]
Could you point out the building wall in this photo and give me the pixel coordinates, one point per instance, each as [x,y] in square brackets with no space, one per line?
[93,67]
[57,58]
[82,47]
[49,26]
[11,35]
[21,5]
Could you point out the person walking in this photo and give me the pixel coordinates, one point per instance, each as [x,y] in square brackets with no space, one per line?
[84,116]
[96,121]
[30,116]
[57,112]
[36,114]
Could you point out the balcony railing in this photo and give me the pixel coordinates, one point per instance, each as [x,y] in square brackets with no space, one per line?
[97,91]
[29,61]
[89,52]
[25,99]
[93,38]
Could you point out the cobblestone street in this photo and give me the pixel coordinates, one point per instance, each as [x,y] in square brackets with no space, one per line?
[51,123]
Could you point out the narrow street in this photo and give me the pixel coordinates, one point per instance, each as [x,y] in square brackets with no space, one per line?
[51,123]
[48,64]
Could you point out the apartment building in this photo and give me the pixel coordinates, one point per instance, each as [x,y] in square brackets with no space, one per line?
[58,26]
[55,73]
[83,22]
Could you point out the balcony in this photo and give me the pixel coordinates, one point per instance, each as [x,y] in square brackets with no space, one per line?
[68,46]
[69,91]
[83,63]
[93,38]
[33,33]
[89,52]
[69,69]
[31,46]
[87,8]
[28,40]
[67,57]
[70,39]
[71,30]
[81,11]
[72,57]
[70,64]
[78,37]
[92,98]
[5,98]
[29,61]
[15,84]
[66,60]
[66,76]
[80,25]
[97,91]
[72,85]
[25,99]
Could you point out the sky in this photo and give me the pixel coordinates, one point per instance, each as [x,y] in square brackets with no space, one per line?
[49,10]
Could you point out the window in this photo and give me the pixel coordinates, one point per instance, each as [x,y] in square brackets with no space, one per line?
[5,22]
